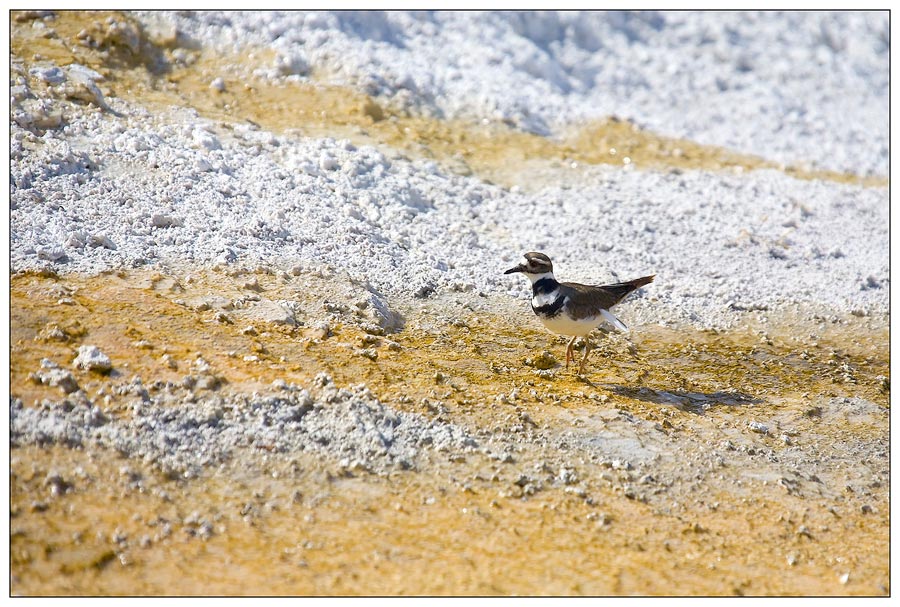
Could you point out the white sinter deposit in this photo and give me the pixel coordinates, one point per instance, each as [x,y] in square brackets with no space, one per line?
[794,87]
[106,190]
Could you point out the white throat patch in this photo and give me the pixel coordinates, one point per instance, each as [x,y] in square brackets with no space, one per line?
[536,277]
[545,298]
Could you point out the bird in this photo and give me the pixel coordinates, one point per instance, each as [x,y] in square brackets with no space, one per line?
[570,308]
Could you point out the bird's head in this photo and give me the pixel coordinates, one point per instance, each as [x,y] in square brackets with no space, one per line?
[536,264]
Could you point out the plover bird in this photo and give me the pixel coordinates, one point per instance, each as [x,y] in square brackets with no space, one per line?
[569,308]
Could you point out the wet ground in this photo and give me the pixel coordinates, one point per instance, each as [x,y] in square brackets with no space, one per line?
[761,456]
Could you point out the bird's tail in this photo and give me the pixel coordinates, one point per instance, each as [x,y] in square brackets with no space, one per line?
[640,282]
[621,289]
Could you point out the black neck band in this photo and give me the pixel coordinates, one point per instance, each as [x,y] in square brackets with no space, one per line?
[544,285]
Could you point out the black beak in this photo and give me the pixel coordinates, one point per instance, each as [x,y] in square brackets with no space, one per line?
[518,268]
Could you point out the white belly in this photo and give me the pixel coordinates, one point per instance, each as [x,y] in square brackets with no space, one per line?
[564,325]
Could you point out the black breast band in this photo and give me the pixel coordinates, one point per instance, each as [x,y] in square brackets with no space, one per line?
[551,309]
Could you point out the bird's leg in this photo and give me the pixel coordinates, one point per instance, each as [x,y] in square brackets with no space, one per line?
[569,354]
[587,350]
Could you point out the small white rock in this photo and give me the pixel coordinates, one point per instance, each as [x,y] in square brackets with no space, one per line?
[158,220]
[60,378]
[80,72]
[206,140]
[269,311]
[92,359]
[102,240]
[218,85]
[327,162]
[51,253]
[76,239]
[289,65]
[50,75]
[18,93]
[84,89]
[758,427]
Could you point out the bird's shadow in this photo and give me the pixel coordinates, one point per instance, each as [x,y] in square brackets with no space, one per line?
[691,402]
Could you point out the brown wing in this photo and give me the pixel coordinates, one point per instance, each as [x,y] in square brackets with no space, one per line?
[590,299]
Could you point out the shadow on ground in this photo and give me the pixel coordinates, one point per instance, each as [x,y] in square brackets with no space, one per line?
[691,402]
